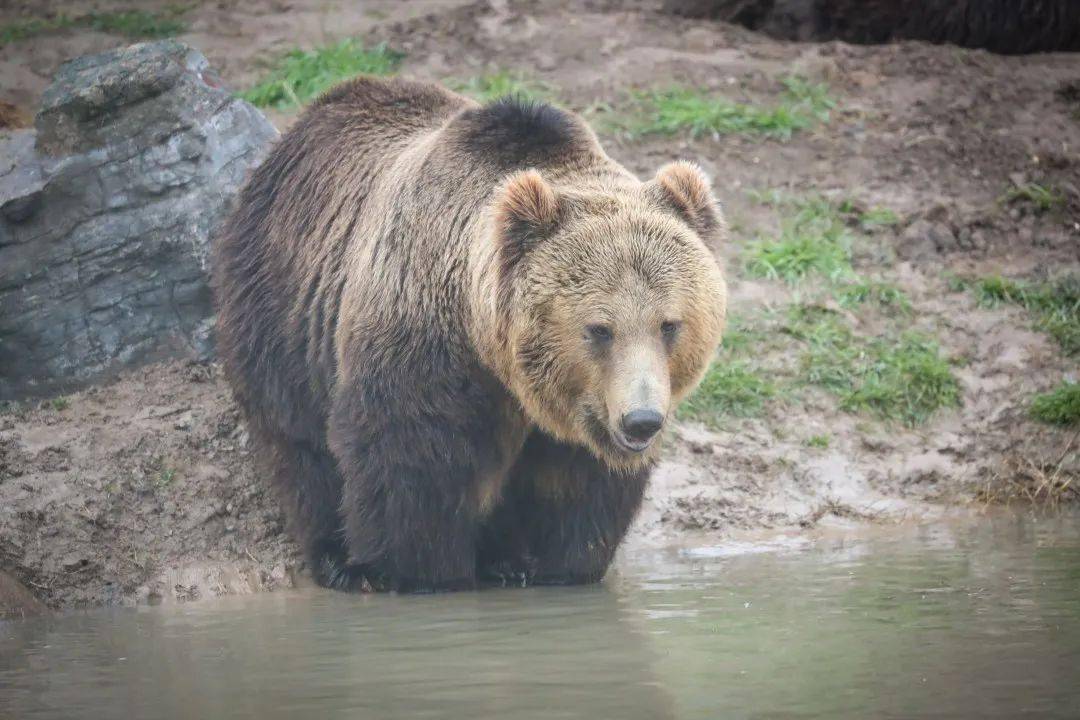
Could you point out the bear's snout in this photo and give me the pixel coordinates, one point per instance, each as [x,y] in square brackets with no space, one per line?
[639,426]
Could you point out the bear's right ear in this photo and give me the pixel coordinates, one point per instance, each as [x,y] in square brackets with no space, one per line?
[683,187]
[525,213]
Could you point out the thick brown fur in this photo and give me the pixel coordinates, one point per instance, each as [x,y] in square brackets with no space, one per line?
[402,293]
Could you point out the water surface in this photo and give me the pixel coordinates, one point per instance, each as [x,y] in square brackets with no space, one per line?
[973,619]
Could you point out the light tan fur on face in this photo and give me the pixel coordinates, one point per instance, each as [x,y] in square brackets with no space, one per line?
[601,249]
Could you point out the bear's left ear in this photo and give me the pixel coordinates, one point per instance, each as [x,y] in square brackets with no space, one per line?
[683,187]
[526,211]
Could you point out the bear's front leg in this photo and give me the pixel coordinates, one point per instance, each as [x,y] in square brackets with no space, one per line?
[568,509]
[408,473]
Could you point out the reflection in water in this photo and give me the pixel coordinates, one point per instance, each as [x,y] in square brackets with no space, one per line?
[978,620]
[549,653]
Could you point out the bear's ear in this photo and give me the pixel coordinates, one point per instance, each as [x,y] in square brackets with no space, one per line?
[525,213]
[683,187]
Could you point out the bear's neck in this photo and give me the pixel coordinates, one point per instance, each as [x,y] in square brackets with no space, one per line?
[488,317]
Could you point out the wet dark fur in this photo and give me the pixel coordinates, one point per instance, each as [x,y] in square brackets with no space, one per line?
[378,461]
[1004,26]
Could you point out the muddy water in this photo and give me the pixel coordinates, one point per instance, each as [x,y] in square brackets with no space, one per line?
[973,619]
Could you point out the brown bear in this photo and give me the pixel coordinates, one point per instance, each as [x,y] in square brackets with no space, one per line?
[456,331]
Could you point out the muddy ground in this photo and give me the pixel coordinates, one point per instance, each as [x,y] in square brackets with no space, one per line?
[144,489]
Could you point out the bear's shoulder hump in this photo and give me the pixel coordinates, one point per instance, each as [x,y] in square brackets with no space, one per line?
[514,132]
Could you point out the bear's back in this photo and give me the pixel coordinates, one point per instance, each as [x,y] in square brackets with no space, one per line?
[279,260]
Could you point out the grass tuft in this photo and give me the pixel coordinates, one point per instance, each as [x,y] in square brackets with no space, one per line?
[301,75]
[902,378]
[60,403]
[1055,304]
[165,477]
[681,109]
[817,441]
[1060,406]
[877,217]
[730,387]
[733,386]
[813,240]
[994,290]
[883,294]
[504,83]
[25,28]
[739,338]
[1042,198]
[129,23]
[138,23]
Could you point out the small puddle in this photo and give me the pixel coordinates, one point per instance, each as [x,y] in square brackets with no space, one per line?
[976,619]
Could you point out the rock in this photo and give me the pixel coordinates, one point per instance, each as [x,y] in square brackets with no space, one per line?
[924,239]
[107,208]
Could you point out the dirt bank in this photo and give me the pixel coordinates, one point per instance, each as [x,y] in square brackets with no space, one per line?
[139,491]
[144,488]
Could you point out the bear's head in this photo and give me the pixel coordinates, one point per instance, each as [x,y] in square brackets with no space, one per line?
[607,305]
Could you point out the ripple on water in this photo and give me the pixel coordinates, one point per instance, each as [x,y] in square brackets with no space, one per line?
[973,619]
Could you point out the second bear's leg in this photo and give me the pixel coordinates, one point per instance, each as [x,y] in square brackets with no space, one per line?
[571,509]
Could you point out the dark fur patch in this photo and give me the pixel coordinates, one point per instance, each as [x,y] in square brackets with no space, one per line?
[563,515]
[516,133]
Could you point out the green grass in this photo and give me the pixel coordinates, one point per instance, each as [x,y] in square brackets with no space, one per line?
[135,24]
[165,477]
[60,403]
[732,387]
[677,110]
[816,238]
[883,294]
[813,240]
[1041,197]
[817,326]
[25,28]
[138,23]
[895,375]
[817,441]
[301,75]
[1060,406]
[994,290]
[729,388]
[896,378]
[740,337]
[877,217]
[1055,304]
[808,98]
[504,83]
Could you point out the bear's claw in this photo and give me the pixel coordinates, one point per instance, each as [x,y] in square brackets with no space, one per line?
[509,574]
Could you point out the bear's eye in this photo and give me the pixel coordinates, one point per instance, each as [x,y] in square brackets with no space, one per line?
[669,328]
[599,333]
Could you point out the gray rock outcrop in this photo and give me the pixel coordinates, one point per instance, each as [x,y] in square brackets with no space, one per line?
[107,208]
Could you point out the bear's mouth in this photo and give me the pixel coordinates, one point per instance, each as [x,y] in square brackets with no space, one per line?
[612,440]
[628,445]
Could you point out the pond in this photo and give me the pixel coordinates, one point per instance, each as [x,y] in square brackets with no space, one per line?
[979,618]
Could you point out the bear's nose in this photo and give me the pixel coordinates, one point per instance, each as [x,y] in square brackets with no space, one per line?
[641,424]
